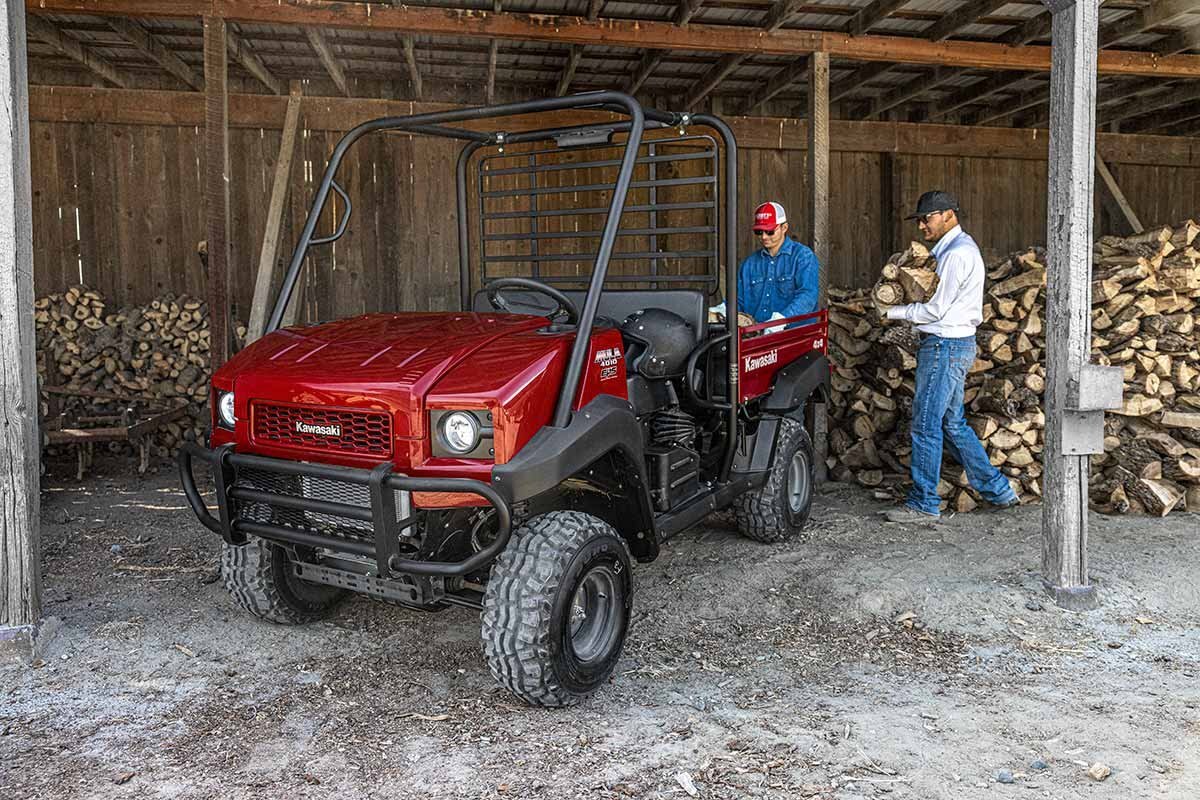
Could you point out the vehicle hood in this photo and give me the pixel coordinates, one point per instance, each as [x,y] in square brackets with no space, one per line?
[385,362]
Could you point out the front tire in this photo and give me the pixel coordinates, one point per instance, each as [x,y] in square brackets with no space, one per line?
[557,608]
[779,509]
[260,578]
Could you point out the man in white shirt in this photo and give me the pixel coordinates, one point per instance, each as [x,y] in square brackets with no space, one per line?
[947,325]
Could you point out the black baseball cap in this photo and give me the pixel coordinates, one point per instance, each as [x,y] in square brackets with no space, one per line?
[937,200]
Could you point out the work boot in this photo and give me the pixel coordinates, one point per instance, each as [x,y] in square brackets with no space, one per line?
[906,515]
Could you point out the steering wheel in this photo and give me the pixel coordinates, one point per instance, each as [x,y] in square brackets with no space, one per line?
[563,304]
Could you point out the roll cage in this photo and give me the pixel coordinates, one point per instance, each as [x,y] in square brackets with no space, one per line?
[636,120]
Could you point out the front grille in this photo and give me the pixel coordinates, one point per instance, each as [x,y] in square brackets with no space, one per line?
[366,433]
[313,489]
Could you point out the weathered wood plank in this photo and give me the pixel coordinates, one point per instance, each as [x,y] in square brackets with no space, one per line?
[216,185]
[20,564]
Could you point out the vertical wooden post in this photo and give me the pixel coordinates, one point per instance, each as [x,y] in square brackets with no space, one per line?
[216,185]
[818,188]
[20,568]
[1068,294]
[275,212]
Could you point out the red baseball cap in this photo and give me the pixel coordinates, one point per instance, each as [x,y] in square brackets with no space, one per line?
[769,216]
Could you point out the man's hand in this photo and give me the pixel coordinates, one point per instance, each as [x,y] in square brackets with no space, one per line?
[775,328]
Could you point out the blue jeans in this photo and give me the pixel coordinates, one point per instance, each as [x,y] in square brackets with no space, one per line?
[942,366]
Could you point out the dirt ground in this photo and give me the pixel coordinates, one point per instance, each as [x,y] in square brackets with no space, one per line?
[866,660]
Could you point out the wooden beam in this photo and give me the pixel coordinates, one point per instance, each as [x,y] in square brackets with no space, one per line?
[778,82]
[687,9]
[862,22]
[493,54]
[150,46]
[1163,120]
[46,31]
[1069,212]
[1035,28]
[321,46]
[650,62]
[860,77]
[275,212]
[250,62]
[568,72]
[414,74]
[960,18]
[20,448]
[712,79]
[914,88]
[1187,38]
[782,12]
[1158,14]
[976,92]
[1114,197]
[1171,96]
[216,185]
[83,104]
[594,9]
[620,33]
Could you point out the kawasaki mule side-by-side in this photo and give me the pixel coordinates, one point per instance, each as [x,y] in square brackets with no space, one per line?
[517,455]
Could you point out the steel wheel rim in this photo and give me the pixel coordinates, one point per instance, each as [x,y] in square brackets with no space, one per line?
[594,614]
[798,481]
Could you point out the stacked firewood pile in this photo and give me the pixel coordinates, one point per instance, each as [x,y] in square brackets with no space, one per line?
[1145,317]
[153,352]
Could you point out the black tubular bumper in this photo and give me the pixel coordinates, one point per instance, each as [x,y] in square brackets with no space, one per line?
[382,484]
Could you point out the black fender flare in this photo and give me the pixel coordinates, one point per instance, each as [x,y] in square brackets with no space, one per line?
[605,426]
[796,382]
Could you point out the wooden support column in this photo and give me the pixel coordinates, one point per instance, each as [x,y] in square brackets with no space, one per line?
[20,567]
[1068,299]
[216,185]
[270,246]
[818,188]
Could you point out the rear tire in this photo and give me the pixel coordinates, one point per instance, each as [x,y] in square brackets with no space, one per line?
[779,509]
[557,608]
[260,578]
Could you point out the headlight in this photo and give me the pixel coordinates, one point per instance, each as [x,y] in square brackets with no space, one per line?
[460,431]
[225,409]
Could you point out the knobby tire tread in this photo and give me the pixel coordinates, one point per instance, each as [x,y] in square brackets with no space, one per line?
[760,513]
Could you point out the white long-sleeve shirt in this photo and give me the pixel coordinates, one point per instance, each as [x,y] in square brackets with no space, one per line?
[956,308]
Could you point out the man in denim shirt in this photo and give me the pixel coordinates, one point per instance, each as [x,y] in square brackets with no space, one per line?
[779,279]
[947,324]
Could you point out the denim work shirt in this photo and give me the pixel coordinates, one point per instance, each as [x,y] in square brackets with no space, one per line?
[784,284]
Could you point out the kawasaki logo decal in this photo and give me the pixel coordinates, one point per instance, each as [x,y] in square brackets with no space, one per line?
[765,360]
[319,430]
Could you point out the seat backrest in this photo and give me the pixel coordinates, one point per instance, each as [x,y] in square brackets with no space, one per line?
[618,304]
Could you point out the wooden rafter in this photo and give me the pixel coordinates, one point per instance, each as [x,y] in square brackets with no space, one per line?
[146,42]
[778,82]
[1035,28]
[594,9]
[1179,94]
[321,46]
[712,79]
[860,77]
[1159,13]
[1013,107]
[781,14]
[568,73]
[45,31]
[862,22]
[410,57]
[623,33]
[975,93]
[914,88]
[1164,120]
[961,17]
[493,55]
[250,62]
[1182,40]
[687,9]
[645,68]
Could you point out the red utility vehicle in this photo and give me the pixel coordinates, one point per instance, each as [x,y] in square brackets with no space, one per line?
[513,456]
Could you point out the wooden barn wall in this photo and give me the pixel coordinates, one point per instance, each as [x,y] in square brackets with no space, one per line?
[120,207]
